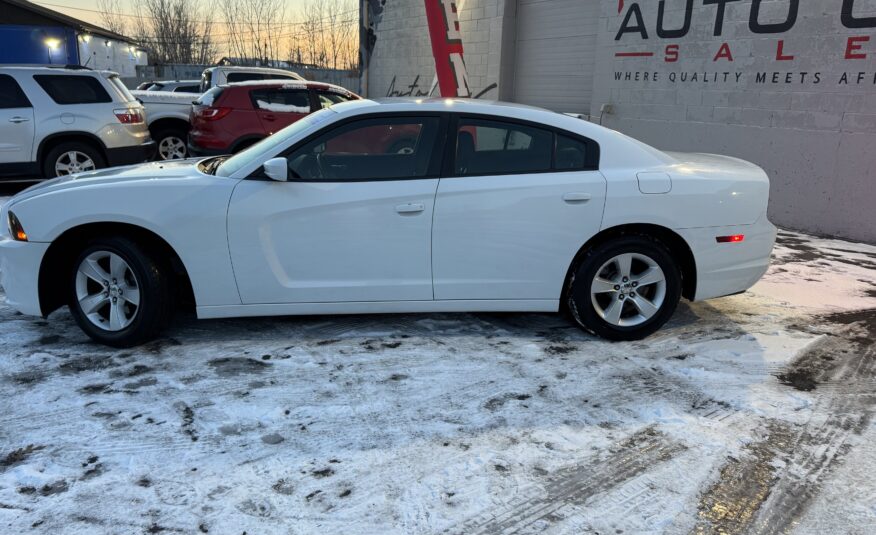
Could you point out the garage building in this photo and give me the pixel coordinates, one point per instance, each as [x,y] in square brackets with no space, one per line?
[789,85]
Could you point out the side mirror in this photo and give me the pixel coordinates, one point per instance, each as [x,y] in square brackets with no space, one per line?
[277,169]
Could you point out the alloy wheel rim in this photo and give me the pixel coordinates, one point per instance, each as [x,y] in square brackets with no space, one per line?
[172,148]
[73,161]
[107,291]
[628,290]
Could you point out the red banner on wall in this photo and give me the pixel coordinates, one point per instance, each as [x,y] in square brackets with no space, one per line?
[446,40]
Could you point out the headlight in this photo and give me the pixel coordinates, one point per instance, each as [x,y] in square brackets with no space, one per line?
[15,228]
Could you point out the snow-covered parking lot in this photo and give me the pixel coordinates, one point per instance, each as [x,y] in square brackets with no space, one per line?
[747,414]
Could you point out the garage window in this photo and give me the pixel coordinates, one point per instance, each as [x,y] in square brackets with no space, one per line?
[11,95]
[65,89]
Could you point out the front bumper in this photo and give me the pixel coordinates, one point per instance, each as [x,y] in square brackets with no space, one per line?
[730,268]
[129,155]
[19,274]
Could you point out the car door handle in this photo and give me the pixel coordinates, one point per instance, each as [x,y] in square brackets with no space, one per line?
[576,197]
[269,117]
[410,208]
[18,119]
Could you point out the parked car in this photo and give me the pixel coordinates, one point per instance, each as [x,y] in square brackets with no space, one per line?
[227,119]
[537,212]
[57,121]
[172,86]
[167,116]
[216,76]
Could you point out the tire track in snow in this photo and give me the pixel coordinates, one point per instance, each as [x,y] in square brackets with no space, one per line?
[574,486]
[751,495]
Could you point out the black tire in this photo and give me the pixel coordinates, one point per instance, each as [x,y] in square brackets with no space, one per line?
[62,148]
[161,135]
[581,304]
[156,293]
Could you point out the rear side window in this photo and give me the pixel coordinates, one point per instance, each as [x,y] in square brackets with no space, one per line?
[244,76]
[11,95]
[572,154]
[486,147]
[186,89]
[281,100]
[67,89]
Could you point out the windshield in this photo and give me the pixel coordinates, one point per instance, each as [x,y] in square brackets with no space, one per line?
[241,159]
[208,98]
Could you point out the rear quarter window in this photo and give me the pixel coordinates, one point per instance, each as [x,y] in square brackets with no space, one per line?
[71,89]
[244,76]
[11,95]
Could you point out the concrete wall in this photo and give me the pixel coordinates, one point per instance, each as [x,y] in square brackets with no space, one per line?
[402,63]
[810,120]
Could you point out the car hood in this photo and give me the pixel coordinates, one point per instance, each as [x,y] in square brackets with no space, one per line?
[146,171]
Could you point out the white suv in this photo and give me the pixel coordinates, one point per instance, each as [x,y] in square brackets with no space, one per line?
[214,76]
[59,121]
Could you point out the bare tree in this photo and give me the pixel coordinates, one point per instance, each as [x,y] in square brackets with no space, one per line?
[112,17]
[328,34]
[255,29]
[175,31]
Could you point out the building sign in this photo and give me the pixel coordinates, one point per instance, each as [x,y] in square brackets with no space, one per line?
[770,46]
[443,20]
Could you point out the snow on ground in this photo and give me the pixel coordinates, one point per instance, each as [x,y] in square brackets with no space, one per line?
[746,413]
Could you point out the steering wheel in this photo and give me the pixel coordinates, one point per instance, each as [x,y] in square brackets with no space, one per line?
[309,167]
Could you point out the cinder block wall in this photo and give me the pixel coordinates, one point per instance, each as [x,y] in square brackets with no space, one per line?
[811,129]
[402,61]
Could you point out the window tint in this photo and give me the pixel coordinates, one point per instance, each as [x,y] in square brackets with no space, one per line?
[281,100]
[370,149]
[326,99]
[486,147]
[11,95]
[69,89]
[571,154]
[244,76]
[186,89]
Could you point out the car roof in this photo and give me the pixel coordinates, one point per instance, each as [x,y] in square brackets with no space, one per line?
[295,84]
[250,69]
[56,69]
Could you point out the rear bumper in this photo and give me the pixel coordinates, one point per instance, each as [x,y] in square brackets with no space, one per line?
[730,268]
[196,150]
[130,155]
[19,274]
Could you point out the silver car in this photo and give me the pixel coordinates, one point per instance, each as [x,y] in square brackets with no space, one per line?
[58,121]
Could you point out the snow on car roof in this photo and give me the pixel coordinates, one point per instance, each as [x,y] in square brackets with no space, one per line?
[292,84]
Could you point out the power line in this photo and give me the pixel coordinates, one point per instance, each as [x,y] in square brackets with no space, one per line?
[136,16]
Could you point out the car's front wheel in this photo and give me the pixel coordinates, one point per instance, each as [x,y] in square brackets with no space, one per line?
[119,293]
[624,289]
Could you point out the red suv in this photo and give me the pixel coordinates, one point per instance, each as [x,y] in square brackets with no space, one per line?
[229,118]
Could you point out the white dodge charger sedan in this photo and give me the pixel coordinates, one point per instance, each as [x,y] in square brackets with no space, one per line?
[394,206]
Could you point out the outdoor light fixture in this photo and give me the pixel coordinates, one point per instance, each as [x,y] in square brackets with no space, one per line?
[109,43]
[52,43]
[85,38]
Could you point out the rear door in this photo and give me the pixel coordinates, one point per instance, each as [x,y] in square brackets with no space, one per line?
[278,107]
[519,202]
[16,123]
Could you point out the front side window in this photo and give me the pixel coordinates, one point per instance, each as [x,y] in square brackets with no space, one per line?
[326,98]
[71,89]
[370,149]
[281,100]
[485,147]
[11,95]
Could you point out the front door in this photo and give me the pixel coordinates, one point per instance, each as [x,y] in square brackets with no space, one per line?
[352,224]
[16,123]
[520,203]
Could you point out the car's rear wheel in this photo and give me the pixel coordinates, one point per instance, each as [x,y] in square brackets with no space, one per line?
[171,144]
[624,289]
[119,293]
[72,157]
